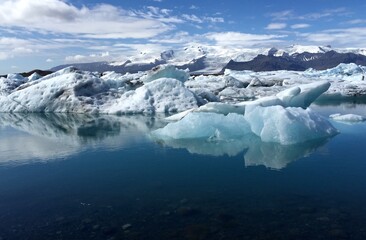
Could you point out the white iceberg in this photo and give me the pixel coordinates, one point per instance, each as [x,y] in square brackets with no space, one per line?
[282,119]
[165,71]
[272,124]
[162,95]
[71,90]
[288,125]
[299,96]
[206,126]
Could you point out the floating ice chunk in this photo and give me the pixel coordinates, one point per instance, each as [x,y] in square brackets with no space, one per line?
[205,95]
[15,77]
[303,95]
[342,69]
[272,124]
[67,90]
[222,108]
[347,118]
[179,116]
[118,80]
[34,76]
[162,95]
[165,71]
[288,125]
[210,126]
[300,96]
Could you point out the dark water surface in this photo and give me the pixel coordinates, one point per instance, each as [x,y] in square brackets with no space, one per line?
[80,177]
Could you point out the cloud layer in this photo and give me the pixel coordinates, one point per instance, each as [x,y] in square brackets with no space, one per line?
[101,21]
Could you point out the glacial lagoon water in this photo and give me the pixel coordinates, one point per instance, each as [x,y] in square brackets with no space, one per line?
[105,177]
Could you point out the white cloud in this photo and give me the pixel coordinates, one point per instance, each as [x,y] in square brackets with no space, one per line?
[346,37]
[276,26]
[62,17]
[282,15]
[214,19]
[4,56]
[49,60]
[327,13]
[10,47]
[300,26]
[95,57]
[244,39]
[199,20]
[192,18]
[357,21]
[179,37]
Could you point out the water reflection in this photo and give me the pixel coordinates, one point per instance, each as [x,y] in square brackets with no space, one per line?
[41,137]
[256,152]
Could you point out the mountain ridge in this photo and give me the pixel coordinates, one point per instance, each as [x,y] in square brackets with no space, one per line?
[213,60]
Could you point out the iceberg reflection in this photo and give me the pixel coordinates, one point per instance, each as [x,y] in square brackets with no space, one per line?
[256,152]
[43,137]
[30,138]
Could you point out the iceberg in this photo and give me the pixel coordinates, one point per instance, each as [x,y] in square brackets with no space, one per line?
[299,96]
[288,125]
[271,124]
[162,95]
[165,71]
[206,126]
[282,119]
[71,90]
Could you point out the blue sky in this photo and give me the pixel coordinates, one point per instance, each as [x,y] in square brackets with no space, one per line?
[42,34]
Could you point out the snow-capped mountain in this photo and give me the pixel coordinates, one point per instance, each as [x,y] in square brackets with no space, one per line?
[213,59]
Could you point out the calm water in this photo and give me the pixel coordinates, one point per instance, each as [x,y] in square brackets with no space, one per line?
[80,177]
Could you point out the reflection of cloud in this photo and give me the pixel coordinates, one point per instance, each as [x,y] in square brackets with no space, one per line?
[270,155]
[43,137]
